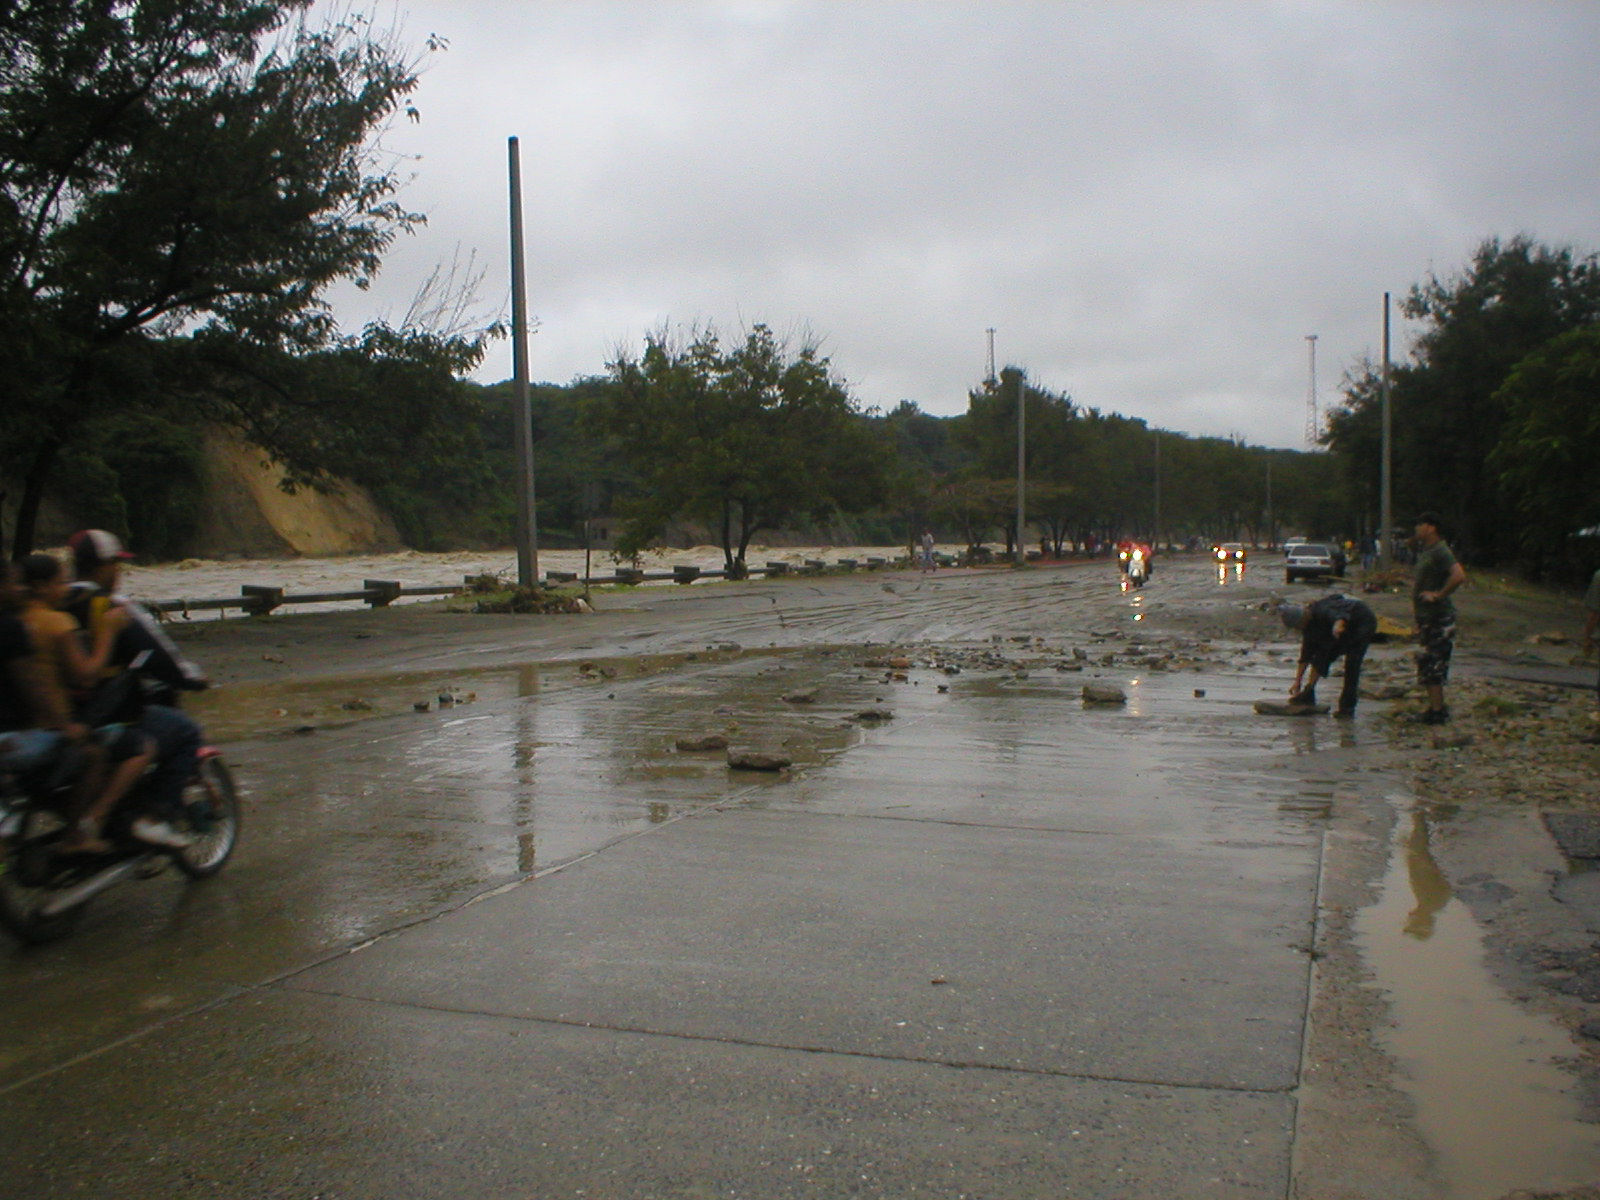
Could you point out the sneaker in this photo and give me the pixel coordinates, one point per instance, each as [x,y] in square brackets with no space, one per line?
[160,833]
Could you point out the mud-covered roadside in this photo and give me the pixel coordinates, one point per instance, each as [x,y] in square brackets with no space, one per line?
[1509,791]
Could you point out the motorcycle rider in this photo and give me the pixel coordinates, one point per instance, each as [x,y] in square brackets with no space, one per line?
[61,667]
[31,735]
[93,601]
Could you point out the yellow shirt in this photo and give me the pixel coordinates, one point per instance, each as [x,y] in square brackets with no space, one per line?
[47,627]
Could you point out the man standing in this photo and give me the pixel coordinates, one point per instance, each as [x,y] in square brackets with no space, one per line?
[1437,574]
[1331,628]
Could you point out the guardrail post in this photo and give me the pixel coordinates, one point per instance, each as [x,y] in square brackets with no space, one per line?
[777,568]
[383,592]
[685,574]
[260,600]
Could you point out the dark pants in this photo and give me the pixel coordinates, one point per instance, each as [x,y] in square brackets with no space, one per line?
[177,740]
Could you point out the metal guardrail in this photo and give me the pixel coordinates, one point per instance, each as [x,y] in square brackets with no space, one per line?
[259,599]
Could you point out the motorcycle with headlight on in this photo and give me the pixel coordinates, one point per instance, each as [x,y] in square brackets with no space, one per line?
[1136,569]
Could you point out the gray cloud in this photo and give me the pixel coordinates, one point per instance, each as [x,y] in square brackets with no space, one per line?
[1153,203]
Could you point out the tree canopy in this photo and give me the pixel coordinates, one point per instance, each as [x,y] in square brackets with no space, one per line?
[745,438]
[180,184]
[1500,358]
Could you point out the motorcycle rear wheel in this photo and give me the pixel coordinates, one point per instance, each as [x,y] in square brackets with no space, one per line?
[213,847]
[29,876]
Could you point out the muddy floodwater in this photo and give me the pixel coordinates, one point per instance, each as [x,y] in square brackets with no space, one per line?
[506,920]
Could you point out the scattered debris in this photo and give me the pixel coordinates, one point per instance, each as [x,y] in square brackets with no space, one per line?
[1282,708]
[695,745]
[758,760]
[1103,693]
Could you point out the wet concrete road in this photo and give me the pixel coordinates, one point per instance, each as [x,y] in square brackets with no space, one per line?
[1000,945]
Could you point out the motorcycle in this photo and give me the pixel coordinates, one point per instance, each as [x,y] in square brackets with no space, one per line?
[44,887]
[1137,568]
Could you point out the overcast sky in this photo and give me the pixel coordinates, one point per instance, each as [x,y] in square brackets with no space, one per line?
[1151,203]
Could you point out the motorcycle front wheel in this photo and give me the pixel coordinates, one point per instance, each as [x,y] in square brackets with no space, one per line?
[211,791]
[30,874]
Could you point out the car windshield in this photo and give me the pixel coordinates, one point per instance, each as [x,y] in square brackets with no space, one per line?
[1311,548]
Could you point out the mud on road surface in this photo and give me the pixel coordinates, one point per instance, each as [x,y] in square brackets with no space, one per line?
[1472,839]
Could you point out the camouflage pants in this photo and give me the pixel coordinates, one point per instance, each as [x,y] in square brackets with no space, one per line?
[1437,639]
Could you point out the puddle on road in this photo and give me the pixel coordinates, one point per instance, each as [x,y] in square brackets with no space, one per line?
[1491,1084]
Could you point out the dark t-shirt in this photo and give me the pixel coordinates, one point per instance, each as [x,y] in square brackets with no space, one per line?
[15,709]
[1432,572]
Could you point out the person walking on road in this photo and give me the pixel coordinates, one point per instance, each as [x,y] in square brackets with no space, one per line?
[927,550]
[1436,575]
[1331,628]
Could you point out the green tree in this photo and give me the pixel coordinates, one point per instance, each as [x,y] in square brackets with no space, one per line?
[746,439]
[1548,458]
[1447,407]
[180,184]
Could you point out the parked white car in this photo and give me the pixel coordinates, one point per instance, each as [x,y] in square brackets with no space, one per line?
[1309,560]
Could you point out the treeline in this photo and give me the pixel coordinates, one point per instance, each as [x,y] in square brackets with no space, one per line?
[1496,413]
[753,440]
[733,444]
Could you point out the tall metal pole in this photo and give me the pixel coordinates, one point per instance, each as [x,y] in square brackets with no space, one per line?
[1385,495]
[990,376]
[1272,526]
[1022,477]
[527,523]
[1155,532]
[1313,420]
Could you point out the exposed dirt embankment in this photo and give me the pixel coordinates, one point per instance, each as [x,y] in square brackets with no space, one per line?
[247,513]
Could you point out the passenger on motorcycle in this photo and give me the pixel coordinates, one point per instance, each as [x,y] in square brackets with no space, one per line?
[93,601]
[28,741]
[64,668]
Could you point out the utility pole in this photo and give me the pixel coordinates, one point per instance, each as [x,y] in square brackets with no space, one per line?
[990,377]
[1313,421]
[527,523]
[1385,496]
[1022,474]
[1272,526]
[1155,532]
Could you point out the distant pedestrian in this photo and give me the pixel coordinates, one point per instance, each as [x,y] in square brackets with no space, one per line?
[1436,575]
[1332,628]
[1369,553]
[927,550]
